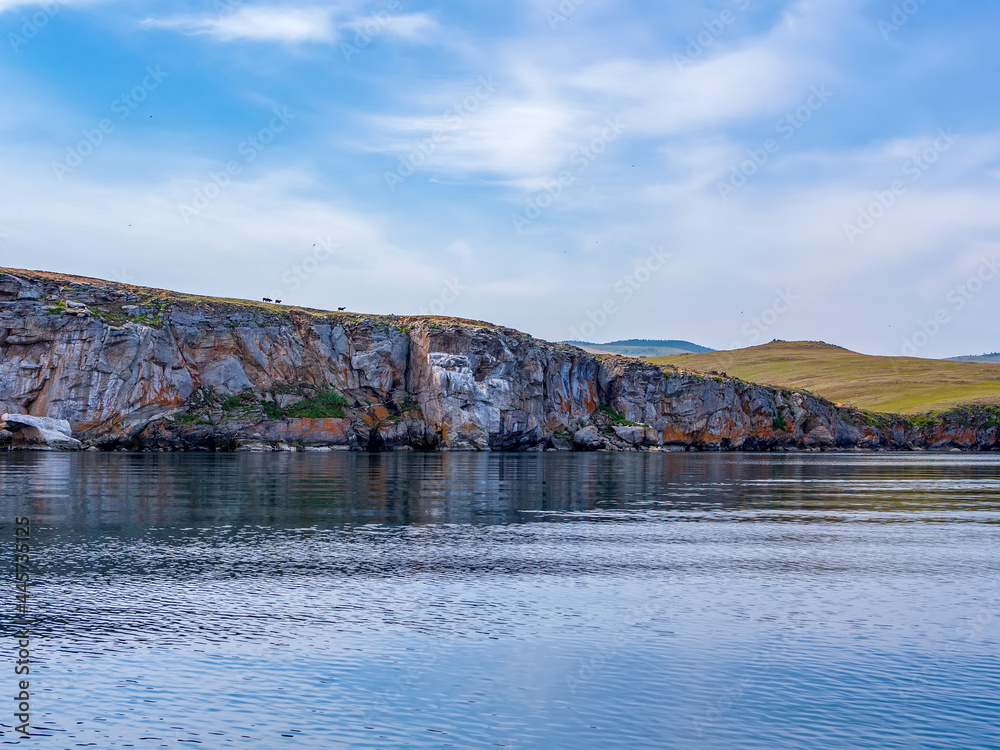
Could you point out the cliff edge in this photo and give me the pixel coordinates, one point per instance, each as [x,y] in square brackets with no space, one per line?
[138,368]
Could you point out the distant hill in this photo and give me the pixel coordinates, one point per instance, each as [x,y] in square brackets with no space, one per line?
[906,385]
[993,359]
[642,347]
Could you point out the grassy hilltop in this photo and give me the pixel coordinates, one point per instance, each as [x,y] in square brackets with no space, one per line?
[902,385]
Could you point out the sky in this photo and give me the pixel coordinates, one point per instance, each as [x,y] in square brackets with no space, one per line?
[727,171]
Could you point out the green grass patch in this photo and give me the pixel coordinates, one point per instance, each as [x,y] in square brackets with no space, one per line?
[323,406]
[190,420]
[245,400]
[408,406]
[920,421]
[116,315]
[615,417]
[874,419]
[271,410]
[976,416]
[247,406]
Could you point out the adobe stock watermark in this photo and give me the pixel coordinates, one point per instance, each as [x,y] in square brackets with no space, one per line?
[22,619]
[790,124]
[295,275]
[582,157]
[121,276]
[941,664]
[714,28]
[94,138]
[914,168]
[370,29]
[957,298]
[396,690]
[448,296]
[32,25]
[249,148]
[563,12]
[755,331]
[757,669]
[599,658]
[625,288]
[453,119]
[901,14]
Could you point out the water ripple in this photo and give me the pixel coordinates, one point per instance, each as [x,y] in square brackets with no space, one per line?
[522,601]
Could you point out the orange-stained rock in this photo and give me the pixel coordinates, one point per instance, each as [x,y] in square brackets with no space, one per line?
[329,431]
[152,369]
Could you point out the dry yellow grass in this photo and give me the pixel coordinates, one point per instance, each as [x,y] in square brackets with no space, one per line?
[904,385]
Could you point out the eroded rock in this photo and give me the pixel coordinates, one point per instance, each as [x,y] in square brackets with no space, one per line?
[40,431]
[152,370]
[587,439]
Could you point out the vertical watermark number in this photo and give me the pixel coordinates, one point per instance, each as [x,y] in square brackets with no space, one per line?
[22,666]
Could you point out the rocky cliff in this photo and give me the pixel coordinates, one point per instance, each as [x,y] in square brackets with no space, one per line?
[140,368]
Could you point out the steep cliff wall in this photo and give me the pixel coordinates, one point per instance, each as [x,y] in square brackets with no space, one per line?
[144,368]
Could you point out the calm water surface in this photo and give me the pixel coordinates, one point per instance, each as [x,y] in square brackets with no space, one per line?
[519,601]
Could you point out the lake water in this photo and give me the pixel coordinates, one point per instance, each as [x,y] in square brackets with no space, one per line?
[518,600]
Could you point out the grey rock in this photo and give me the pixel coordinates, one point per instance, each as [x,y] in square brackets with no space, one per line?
[43,431]
[444,385]
[633,435]
[588,438]
[251,446]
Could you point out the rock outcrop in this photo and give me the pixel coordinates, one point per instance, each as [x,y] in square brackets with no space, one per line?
[139,368]
[39,432]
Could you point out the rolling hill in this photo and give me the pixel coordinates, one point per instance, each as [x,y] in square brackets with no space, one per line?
[641,347]
[993,359]
[904,385]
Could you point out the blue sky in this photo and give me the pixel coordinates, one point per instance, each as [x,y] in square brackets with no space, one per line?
[727,172]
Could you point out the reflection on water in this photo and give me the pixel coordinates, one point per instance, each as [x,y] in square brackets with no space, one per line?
[514,600]
[81,490]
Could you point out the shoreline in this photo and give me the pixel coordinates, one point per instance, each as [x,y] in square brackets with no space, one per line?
[89,363]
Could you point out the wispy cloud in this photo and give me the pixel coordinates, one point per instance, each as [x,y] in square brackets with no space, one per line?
[301,25]
[416,27]
[6,5]
[480,109]
[51,7]
[553,100]
[258,24]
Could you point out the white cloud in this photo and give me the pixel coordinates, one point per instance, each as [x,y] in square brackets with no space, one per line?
[259,24]
[512,137]
[408,26]
[6,5]
[49,7]
[784,230]
[551,92]
[302,25]
[262,235]
[553,99]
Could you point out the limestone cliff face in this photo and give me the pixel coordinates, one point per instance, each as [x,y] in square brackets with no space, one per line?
[148,369]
